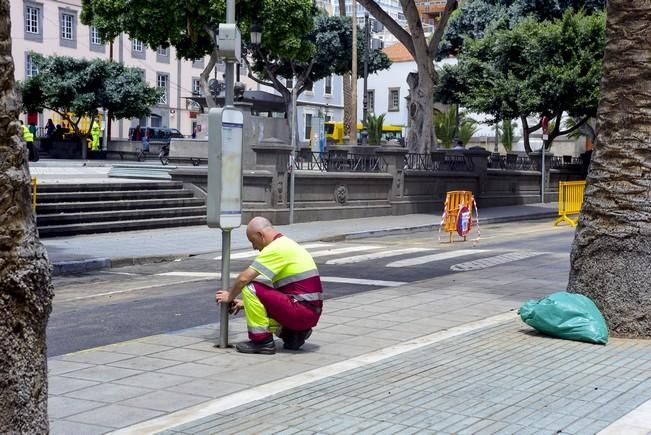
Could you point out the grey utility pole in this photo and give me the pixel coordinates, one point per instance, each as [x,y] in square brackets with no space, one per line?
[365,95]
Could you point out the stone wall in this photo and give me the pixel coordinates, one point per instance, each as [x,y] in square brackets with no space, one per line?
[323,195]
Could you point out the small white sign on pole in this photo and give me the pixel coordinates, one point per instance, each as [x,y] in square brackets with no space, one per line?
[224,202]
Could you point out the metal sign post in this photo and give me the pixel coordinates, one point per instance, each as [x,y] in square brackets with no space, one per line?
[545,126]
[225,131]
[224,202]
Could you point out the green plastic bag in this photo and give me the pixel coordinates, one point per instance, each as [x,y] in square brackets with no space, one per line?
[566,315]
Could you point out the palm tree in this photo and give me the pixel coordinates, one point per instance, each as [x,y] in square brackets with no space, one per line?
[610,260]
[24,270]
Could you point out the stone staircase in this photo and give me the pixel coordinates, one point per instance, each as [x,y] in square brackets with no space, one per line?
[70,209]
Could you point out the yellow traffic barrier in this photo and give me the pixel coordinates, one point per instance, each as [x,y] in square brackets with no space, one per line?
[455,201]
[34,193]
[570,198]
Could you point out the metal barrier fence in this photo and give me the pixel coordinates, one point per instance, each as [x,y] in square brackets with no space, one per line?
[438,161]
[511,161]
[339,161]
[567,162]
[34,193]
[570,199]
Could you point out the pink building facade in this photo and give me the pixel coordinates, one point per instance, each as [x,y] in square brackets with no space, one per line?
[51,27]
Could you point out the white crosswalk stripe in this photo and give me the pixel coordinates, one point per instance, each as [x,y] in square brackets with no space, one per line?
[434,257]
[376,255]
[252,254]
[493,261]
[337,279]
[337,251]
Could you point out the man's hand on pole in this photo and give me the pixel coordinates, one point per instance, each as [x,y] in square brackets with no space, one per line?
[223,297]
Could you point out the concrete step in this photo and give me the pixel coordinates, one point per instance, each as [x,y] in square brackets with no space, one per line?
[141,171]
[102,187]
[115,226]
[45,220]
[128,204]
[106,195]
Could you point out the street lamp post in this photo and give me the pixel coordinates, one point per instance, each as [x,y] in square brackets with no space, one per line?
[365,98]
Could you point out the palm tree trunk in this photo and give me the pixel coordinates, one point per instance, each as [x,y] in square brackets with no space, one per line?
[611,254]
[25,285]
[347,89]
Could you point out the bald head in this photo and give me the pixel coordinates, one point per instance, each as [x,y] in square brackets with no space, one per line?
[260,232]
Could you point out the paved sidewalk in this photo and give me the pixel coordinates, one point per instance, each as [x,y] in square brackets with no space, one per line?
[445,355]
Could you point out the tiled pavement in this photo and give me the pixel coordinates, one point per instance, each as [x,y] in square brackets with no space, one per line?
[504,379]
[347,379]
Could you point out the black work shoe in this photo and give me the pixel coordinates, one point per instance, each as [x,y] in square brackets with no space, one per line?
[265,347]
[293,340]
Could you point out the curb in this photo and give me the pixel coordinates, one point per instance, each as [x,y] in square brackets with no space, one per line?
[92,264]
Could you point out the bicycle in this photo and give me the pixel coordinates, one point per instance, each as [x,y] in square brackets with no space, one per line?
[141,156]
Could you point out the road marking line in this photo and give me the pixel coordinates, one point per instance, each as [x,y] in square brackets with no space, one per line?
[493,261]
[435,257]
[251,254]
[260,392]
[365,257]
[337,251]
[362,281]
[323,278]
[117,292]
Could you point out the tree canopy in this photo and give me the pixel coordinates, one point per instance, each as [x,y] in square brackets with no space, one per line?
[75,88]
[476,17]
[535,68]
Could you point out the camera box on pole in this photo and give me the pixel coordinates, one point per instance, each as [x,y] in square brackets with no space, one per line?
[224,201]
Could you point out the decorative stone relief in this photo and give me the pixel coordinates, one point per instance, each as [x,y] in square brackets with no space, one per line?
[341,194]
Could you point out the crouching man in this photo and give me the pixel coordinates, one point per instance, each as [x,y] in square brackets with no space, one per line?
[290,306]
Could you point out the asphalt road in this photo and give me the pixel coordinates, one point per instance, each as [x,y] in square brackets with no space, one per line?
[115,305]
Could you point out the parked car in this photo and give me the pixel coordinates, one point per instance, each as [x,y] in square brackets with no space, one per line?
[156,134]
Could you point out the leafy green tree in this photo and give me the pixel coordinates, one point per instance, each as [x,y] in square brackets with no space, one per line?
[329,53]
[77,88]
[474,18]
[296,41]
[534,69]
[424,50]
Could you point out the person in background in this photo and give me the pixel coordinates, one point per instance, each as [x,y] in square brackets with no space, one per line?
[95,132]
[458,145]
[28,137]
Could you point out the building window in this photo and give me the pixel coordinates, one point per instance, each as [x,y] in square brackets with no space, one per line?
[328,85]
[66,26]
[163,55]
[394,99]
[162,81]
[94,36]
[309,87]
[138,49]
[370,100]
[31,69]
[32,15]
[137,46]
[196,86]
[33,22]
[308,126]
[289,83]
